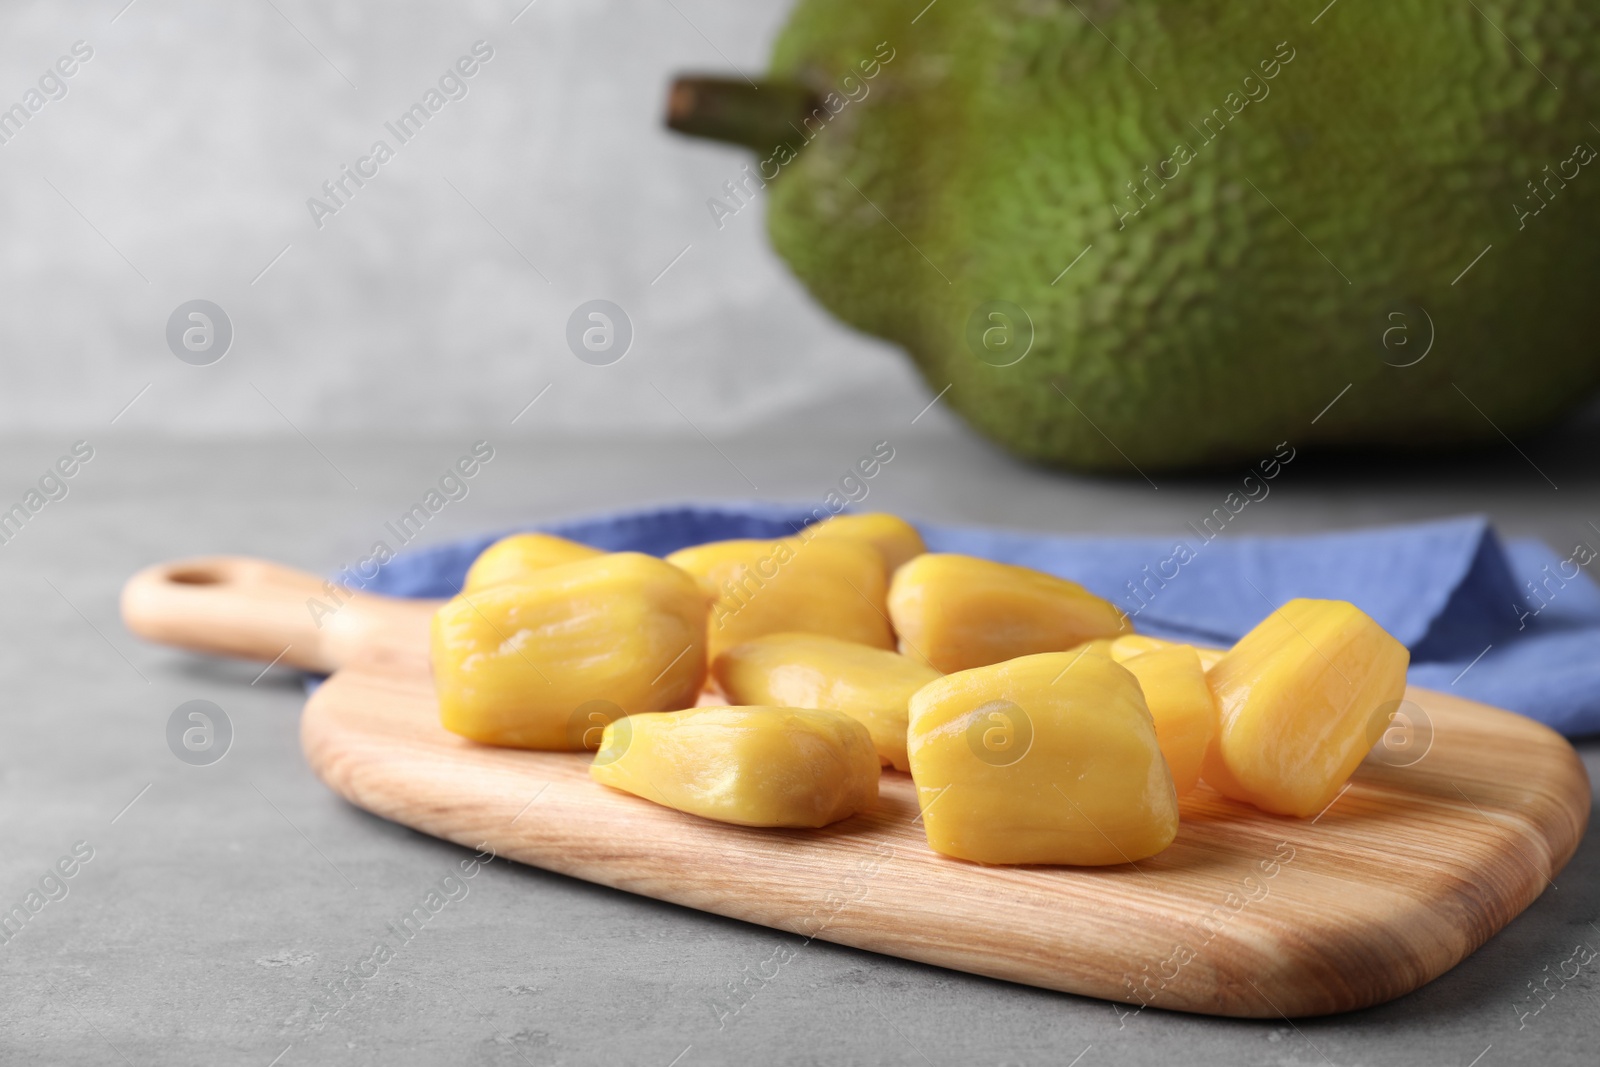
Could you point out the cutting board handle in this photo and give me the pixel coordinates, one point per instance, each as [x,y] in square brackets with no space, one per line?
[258,610]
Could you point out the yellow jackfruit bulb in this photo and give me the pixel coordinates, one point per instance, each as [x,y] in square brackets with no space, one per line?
[752,766]
[895,538]
[871,685]
[833,586]
[1302,698]
[958,612]
[545,662]
[1050,758]
[1180,702]
[511,559]
[1127,646]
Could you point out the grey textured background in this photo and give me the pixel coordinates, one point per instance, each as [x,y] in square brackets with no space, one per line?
[180,162]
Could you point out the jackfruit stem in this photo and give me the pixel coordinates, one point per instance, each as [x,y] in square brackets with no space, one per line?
[731,110]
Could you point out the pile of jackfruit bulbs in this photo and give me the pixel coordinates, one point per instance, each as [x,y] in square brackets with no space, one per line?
[767,683]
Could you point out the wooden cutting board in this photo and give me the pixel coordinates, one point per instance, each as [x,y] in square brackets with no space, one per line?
[1246,914]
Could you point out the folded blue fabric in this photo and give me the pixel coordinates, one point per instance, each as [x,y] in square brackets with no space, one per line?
[1515,625]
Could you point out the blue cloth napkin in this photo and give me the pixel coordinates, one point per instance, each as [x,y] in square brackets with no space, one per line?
[1513,624]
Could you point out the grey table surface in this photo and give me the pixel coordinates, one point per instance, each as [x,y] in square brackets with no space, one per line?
[221,900]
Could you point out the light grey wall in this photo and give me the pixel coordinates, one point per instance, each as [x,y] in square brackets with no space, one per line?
[179,163]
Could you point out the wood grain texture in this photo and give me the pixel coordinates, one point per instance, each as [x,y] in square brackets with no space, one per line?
[254,609]
[1247,914]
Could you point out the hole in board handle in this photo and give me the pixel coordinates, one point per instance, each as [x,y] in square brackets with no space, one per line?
[194,576]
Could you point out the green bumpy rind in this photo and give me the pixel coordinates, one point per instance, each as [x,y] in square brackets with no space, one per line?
[1259,278]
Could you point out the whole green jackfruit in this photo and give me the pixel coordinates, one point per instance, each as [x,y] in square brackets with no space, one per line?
[1154,234]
